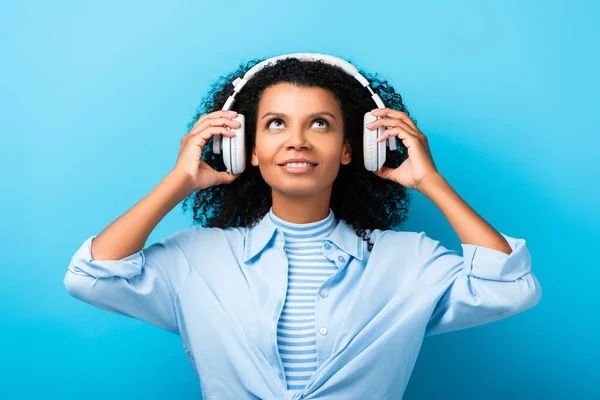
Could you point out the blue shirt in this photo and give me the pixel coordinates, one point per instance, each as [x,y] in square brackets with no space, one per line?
[223,290]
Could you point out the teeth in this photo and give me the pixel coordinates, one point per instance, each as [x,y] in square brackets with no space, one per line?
[298,165]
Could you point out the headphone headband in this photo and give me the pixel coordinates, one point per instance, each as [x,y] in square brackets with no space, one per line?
[350,69]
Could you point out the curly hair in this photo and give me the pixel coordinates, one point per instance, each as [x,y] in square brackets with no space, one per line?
[364,200]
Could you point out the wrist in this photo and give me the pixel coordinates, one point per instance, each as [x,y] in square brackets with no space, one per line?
[183,181]
[430,182]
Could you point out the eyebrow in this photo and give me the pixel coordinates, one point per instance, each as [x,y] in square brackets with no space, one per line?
[310,116]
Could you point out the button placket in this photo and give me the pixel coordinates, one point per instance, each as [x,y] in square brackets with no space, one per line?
[283,289]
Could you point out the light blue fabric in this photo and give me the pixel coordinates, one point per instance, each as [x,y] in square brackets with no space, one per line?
[308,268]
[222,291]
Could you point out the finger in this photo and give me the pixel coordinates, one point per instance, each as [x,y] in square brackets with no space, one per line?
[225,177]
[383,122]
[396,131]
[216,114]
[417,135]
[395,114]
[202,137]
[384,172]
[407,138]
[216,122]
[214,130]
[392,122]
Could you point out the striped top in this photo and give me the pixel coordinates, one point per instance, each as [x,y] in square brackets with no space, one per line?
[308,269]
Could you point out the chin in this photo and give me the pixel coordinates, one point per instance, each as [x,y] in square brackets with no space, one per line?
[298,190]
[296,184]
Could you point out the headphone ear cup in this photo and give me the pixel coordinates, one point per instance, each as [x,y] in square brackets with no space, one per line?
[225,146]
[374,151]
[216,147]
[234,148]
[381,147]
[370,149]
[239,146]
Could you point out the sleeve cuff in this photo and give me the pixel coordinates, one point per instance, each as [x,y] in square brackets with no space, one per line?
[486,263]
[82,263]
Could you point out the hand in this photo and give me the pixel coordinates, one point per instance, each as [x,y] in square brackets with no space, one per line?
[419,163]
[189,160]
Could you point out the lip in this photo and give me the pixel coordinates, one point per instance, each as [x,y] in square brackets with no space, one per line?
[297,170]
[297,160]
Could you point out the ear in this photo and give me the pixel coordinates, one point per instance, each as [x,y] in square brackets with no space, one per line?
[346,154]
[254,157]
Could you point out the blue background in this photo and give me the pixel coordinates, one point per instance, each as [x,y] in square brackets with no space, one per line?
[94,100]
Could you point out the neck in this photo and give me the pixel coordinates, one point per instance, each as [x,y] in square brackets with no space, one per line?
[301,209]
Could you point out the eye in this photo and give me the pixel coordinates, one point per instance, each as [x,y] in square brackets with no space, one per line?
[324,121]
[268,124]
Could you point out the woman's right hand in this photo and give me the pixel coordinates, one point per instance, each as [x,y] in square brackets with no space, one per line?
[189,160]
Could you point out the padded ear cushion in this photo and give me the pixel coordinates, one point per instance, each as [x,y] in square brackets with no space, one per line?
[234,148]
[225,146]
[370,143]
[381,147]
[217,144]
[369,150]
[239,146]
[374,151]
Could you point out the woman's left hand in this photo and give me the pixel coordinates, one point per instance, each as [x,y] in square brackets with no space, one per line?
[419,163]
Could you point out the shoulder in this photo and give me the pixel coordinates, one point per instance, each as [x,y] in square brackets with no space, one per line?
[396,238]
[207,238]
[197,243]
[403,245]
[213,232]
[183,239]
[419,241]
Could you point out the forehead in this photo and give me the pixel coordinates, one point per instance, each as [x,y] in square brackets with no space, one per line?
[291,99]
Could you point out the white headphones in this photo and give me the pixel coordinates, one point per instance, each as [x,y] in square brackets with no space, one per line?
[234,148]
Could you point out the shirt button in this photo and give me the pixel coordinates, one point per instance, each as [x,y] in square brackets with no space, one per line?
[323,331]
[327,246]
[324,293]
[342,259]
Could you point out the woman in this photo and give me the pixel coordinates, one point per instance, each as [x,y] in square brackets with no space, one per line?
[293,284]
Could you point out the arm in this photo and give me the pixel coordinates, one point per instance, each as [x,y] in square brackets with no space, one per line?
[481,286]
[128,233]
[468,225]
[113,272]
[493,278]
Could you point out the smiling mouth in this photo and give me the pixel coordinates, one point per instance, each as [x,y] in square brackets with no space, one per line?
[298,168]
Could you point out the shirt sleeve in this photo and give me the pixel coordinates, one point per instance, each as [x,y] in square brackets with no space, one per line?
[481,286]
[143,285]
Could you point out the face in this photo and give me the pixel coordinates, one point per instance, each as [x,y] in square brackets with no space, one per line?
[299,122]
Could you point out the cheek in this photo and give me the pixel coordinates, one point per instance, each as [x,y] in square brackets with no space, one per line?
[267,152]
[332,157]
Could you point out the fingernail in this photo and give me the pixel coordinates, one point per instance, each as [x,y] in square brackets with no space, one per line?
[232,112]
[369,124]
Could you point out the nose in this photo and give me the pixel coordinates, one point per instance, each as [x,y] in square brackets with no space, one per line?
[297,137]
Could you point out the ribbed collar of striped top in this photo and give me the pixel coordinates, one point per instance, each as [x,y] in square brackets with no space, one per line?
[344,237]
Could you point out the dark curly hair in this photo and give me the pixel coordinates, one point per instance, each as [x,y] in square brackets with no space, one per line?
[364,200]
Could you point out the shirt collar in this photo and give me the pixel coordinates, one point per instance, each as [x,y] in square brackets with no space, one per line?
[259,235]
